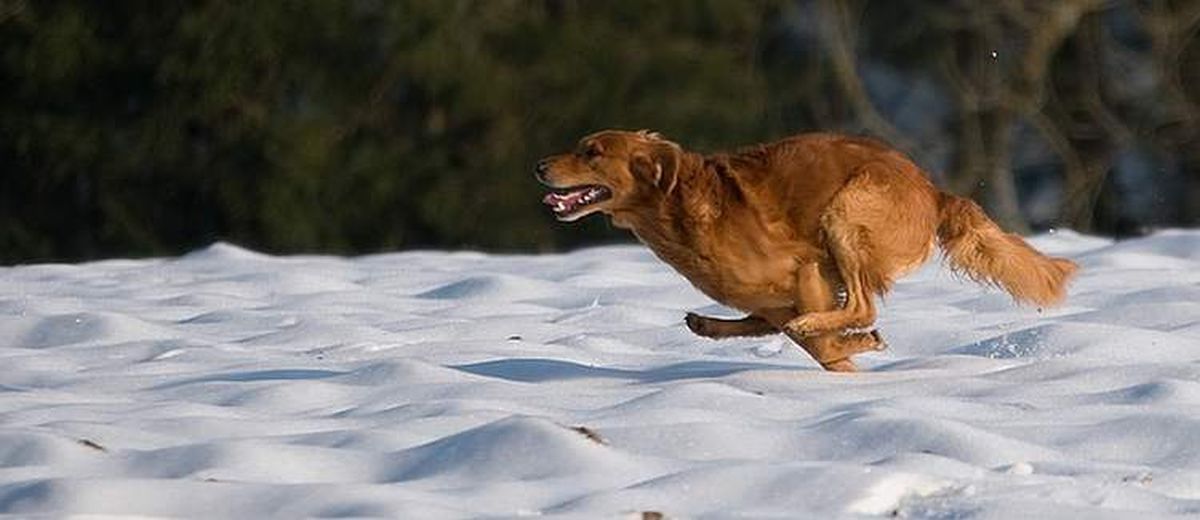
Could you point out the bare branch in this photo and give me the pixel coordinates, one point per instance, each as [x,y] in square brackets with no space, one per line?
[841,54]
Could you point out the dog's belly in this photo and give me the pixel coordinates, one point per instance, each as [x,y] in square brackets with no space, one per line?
[749,284]
[740,261]
[751,298]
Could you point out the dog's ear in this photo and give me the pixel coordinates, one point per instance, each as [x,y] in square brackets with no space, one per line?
[658,164]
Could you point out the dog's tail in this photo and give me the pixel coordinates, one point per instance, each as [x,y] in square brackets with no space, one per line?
[979,249]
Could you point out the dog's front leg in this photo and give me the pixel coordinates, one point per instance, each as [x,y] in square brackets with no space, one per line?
[819,307]
[815,293]
[831,350]
[717,328]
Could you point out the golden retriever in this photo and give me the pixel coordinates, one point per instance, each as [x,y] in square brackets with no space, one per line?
[801,234]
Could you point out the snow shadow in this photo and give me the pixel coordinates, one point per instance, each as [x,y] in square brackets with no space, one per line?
[537,370]
[256,375]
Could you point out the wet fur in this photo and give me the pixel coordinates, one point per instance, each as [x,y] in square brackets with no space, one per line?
[778,230]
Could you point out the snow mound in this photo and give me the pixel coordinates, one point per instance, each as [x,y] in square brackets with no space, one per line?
[512,449]
[492,287]
[229,383]
[83,328]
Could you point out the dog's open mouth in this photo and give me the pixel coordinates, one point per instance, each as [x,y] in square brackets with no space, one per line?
[566,202]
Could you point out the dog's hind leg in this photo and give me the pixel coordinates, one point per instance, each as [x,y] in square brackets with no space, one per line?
[717,328]
[880,226]
[859,309]
[874,230]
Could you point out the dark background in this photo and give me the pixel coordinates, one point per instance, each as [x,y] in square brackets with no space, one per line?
[146,128]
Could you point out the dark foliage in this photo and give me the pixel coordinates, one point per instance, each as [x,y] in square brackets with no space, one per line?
[143,128]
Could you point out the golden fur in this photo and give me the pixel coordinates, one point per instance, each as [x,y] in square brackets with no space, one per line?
[801,233]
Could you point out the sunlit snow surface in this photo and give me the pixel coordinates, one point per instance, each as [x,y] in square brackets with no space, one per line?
[227,383]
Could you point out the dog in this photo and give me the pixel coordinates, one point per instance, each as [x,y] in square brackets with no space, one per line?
[801,234]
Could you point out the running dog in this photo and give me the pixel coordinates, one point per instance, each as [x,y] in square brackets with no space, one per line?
[801,234]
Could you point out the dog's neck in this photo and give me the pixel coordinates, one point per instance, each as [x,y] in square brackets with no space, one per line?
[704,190]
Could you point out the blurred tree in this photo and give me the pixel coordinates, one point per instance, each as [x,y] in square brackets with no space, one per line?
[132,128]
[340,126]
[1089,81]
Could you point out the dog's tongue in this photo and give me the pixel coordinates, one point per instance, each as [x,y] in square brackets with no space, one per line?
[565,201]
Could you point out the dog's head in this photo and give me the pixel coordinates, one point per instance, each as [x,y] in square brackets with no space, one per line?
[609,171]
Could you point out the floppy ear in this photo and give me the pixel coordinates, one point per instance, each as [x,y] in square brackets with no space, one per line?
[658,166]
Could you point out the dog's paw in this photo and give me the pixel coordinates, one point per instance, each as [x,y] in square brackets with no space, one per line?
[697,324]
[841,365]
[880,343]
[855,341]
[801,326]
[816,323]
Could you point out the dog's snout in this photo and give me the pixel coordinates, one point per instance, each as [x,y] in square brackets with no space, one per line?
[542,169]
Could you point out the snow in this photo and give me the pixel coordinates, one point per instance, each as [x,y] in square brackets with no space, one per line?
[228,383]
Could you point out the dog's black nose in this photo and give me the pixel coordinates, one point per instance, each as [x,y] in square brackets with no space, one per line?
[543,167]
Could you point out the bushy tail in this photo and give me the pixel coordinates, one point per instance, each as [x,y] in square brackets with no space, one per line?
[978,248]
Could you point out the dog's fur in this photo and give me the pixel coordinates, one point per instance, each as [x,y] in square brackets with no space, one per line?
[801,233]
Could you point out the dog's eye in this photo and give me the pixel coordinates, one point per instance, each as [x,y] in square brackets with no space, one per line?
[591,152]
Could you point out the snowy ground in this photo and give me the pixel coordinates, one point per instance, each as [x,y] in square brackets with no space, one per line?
[226,383]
